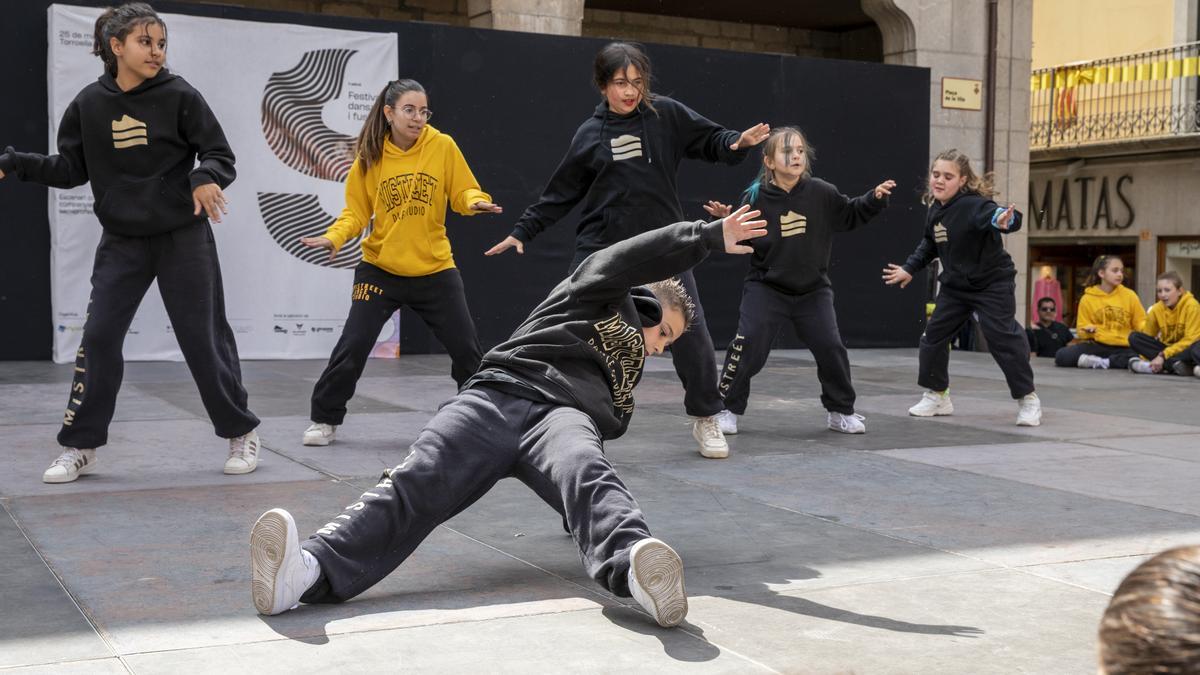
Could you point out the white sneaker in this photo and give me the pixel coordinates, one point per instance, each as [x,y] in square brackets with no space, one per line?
[280,571]
[727,422]
[1092,361]
[319,434]
[933,403]
[708,434]
[847,424]
[1196,371]
[1029,411]
[1140,366]
[243,454]
[71,464]
[656,581]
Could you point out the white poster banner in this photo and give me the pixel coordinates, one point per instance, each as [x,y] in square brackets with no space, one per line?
[291,100]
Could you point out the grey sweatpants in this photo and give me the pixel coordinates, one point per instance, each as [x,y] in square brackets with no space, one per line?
[477,438]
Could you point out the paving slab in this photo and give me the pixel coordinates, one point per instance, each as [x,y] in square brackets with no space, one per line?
[39,622]
[139,455]
[999,521]
[45,403]
[364,447]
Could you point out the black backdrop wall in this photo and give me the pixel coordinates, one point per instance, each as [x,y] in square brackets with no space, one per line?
[512,101]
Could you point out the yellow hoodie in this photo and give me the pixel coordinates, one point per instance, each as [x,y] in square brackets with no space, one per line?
[406,192]
[1114,315]
[1177,327]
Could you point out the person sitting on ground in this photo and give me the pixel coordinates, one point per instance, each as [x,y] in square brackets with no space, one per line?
[1169,342]
[1047,336]
[1152,623]
[1108,312]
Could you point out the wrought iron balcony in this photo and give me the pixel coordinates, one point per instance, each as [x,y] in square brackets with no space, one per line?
[1135,97]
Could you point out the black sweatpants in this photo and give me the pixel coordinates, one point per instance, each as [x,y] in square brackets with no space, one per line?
[996,307]
[763,312]
[692,354]
[477,438]
[1150,347]
[440,301]
[1118,357]
[184,261]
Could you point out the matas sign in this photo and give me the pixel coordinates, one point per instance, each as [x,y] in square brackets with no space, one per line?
[1083,203]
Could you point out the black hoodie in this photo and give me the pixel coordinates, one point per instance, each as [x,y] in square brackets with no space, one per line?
[794,256]
[623,168]
[960,233]
[583,346]
[139,149]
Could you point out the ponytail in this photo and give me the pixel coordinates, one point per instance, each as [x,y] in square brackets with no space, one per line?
[778,135]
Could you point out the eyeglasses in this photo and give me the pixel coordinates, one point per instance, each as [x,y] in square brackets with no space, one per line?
[413,113]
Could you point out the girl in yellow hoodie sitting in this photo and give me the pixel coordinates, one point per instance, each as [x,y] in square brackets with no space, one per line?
[1169,342]
[1108,312]
[403,176]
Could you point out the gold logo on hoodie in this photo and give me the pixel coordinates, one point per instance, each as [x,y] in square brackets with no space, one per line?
[624,351]
[940,234]
[792,223]
[626,146]
[128,132]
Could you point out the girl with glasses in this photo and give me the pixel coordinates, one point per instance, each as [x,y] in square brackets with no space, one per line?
[405,173]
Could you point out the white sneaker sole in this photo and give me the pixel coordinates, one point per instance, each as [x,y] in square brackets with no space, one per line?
[318,440]
[269,553]
[846,431]
[658,570]
[69,477]
[714,454]
[938,412]
[239,470]
[1035,422]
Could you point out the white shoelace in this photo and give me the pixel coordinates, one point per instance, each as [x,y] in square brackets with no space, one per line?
[244,447]
[710,430]
[70,459]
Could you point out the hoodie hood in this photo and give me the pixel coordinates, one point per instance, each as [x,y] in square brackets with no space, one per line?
[110,83]
[428,133]
[1097,292]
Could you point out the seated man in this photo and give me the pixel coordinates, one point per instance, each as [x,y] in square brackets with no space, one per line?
[1047,336]
[538,409]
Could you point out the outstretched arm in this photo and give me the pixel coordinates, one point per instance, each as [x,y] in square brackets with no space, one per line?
[662,253]
[64,170]
[859,210]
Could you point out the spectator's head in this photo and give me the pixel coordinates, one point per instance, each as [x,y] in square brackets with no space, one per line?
[1152,624]
[1046,309]
[1107,270]
[1169,288]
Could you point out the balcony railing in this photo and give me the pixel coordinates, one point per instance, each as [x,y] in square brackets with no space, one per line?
[1140,96]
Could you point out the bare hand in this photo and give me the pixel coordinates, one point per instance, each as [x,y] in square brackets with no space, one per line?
[1005,219]
[752,136]
[1,175]
[884,189]
[740,226]
[210,198]
[486,207]
[1090,330]
[894,274]
[717,209]
[1156,365]
[320,242]
[507,243]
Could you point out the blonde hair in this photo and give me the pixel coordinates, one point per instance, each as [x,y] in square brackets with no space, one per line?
[671,293]
[976,184]
[1152,624]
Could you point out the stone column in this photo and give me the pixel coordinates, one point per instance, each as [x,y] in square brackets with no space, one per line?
[950,38]
[549,17]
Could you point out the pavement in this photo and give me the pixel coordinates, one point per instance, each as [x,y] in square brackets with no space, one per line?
[960,544]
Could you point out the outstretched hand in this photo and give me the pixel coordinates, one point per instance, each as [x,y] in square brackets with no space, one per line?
[486,207]
[211,199]
[717,209]
[1005,219]
[895,274]
[320,242]
[752,136]
[885,188]
[507,243]
[740,226]
[1,175]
